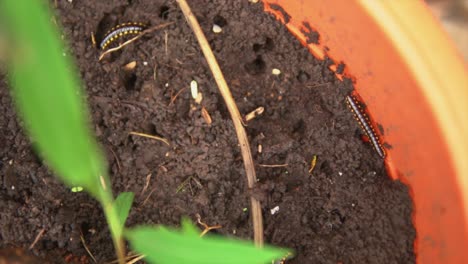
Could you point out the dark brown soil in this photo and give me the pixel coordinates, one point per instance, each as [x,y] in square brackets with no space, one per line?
[346,211]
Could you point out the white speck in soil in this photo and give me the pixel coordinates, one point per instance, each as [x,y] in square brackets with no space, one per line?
[217,29]
[276,71]
[274,210]
[194,89]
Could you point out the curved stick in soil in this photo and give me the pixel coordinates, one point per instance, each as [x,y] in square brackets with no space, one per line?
[235,115]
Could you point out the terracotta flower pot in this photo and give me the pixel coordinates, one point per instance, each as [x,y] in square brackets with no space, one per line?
[415,86]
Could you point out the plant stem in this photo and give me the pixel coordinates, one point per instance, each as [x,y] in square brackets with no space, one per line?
[114,224]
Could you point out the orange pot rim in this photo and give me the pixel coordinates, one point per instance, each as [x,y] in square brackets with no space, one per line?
[415,84]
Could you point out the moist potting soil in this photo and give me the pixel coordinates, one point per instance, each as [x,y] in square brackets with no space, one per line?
[345,210]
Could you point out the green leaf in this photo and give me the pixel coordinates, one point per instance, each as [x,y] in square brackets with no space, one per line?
[165,246]
[188,228]
[77,189]
[48,95]
[123,203]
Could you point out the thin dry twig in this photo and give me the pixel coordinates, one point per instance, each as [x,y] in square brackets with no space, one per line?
[150,136]
[313,162]
[129,257]
[206,227]
[87,249]
[93,39]
[116,160]
[236,118]
[185,182]
[166,38]
[254,113]
[316,85]
[135,260]
[39,235]
[144,32]
[147,198]
[148,179]
[173,98]
[273,165]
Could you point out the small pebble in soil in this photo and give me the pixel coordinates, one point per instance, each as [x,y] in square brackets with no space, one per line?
[275,72]
[217,29]
[130,66]
[194,89]
[274,210]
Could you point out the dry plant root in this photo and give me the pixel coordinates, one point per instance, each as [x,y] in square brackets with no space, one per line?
[235,115]
[165,141]
[206,227]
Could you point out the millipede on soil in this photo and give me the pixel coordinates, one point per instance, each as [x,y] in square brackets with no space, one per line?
[120,31]
[365,124]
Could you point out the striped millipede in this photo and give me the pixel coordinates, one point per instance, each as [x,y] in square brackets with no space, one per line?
[365,124]
[119,31]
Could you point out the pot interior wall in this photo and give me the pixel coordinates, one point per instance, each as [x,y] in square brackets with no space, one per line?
[367,38]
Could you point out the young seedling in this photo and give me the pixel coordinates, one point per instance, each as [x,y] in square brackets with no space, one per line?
[49,99]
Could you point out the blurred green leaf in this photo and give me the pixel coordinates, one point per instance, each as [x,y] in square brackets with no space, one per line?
[188,228]
[123,203]
[48,95]
[165,246]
